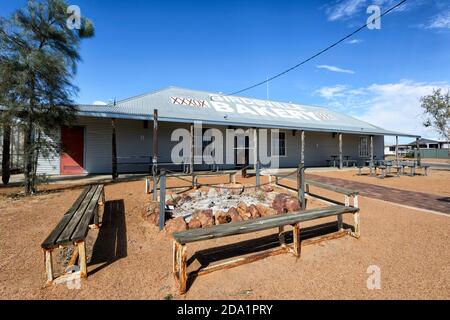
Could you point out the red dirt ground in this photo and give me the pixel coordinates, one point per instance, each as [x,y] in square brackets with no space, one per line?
[130,259]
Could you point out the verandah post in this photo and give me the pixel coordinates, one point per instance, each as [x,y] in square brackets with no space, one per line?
[301,172]
[341,161]
[418,152]
[371,158]
[301,185]
[255,147]
[257,165]
[162,199]
[302,148]
[155,154]
[396,150]
[192,145]
[114,149]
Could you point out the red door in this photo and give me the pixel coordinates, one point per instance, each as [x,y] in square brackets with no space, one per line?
[72,155]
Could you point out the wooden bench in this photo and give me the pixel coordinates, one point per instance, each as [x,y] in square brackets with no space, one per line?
[73,229]
[249,226]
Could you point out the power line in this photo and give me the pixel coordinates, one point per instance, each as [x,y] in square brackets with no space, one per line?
[318,53]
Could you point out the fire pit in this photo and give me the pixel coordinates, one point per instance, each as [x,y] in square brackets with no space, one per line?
[206,207]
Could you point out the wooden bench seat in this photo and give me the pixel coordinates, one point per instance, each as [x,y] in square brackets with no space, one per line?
[249,226]
[73,228]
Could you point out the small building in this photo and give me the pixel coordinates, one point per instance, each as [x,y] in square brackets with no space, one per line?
[402,150]
[429,144]
[427,147]
[89,147]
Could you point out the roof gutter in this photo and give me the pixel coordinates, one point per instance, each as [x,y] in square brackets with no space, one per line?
[239,124]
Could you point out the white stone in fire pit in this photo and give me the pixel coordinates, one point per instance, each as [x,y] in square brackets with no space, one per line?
[216,200]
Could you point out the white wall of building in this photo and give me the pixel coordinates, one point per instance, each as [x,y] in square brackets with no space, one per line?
[49,164]
[134,145]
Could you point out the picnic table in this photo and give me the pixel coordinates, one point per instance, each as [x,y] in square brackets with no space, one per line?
[332,161]
[348,161]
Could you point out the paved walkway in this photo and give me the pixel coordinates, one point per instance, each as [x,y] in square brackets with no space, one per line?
[408,198]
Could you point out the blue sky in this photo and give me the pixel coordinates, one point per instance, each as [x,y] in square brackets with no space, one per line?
[142,46]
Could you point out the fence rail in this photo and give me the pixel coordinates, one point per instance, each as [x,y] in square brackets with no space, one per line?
[434,153]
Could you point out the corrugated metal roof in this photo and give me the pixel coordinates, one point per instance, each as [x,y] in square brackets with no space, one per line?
[184,105]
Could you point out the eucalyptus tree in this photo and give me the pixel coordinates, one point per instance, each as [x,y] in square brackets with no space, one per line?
[436,107]
[39,53]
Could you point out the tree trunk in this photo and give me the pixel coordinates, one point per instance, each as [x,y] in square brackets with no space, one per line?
[29,187]
[6,154]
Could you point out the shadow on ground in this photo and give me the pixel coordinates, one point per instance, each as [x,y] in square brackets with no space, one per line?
[111,243]
[445,199]
[214,255]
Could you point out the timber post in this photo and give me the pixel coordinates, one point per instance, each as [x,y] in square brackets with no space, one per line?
[418,152]
[301,185]
[155,182]
[372,173]
[297,240]
[82,259]
[114,149]
[357,222]
[257,173]
[255,148]
[155,154]
[49,265]
[396,150]
[341,160]
[162,199]
[192,146]
[302,147]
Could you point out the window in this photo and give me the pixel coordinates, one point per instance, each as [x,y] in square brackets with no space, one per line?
[391,148]
[363,146]
[281,144]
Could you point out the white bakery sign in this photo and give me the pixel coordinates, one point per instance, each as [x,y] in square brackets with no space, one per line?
[255,107]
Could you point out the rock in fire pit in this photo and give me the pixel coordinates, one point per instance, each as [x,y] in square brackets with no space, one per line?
[201,209]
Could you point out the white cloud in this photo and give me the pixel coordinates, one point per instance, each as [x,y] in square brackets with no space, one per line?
[99,103]
[335,69]
[344,9]
[392,106]
[440,21]
[331,92]
[354,41]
